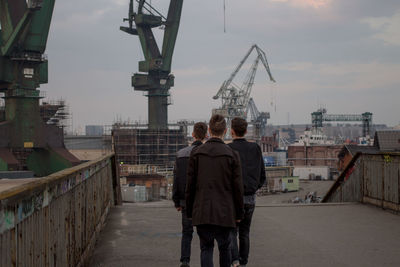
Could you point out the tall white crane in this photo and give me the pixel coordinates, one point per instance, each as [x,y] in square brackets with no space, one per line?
[235,99]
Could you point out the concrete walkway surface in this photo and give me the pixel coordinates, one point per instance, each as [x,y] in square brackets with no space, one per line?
[282,235]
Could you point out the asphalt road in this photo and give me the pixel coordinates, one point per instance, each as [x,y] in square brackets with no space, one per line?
[148,234]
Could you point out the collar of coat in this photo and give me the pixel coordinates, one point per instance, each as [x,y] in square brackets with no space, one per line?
[215,139]
[214,147]
[197,143]
[239,139]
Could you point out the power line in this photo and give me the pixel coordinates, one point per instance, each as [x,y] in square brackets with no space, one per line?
[224,17]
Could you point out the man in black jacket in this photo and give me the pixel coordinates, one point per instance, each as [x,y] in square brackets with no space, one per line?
[253,172]
[214,193]
[178,195]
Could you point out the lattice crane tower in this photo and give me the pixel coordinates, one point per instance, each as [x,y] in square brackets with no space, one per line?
[235,100]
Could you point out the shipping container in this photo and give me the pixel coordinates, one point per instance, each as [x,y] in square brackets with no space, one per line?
[134,194]
[290,184]
[269,161]
[275,158]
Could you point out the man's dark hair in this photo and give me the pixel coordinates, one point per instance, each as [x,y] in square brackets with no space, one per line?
[217,125]
[239,126]
[200,130]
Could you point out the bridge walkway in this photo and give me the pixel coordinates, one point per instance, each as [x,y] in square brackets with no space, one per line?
[282,235]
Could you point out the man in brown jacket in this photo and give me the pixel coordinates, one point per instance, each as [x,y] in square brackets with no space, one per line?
[214,193]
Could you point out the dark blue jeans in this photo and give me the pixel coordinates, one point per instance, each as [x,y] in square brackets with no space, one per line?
[242,254]
[187,236]
[207,234]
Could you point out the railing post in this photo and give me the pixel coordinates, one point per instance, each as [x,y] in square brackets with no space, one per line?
[116,182]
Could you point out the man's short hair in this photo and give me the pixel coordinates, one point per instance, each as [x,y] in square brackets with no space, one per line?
[217,125]
[239,126]
[200,130]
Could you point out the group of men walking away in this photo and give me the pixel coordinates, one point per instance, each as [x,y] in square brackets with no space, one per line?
[214,188]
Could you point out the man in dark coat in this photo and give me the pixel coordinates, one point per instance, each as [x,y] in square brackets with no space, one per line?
[178,195]
[214,193]
[253,172]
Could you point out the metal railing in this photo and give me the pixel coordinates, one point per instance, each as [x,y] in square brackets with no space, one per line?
[369,178]
[55,220]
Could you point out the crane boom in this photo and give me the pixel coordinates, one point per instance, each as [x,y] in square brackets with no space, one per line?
[265,63]
[263,58]
[236,101]
[233,75]
[248,85]
[154,75]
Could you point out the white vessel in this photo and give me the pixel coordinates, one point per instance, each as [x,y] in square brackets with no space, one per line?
[313,137]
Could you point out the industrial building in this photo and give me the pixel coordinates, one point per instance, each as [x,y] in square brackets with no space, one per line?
[94,130]
[384,141]
[316,155]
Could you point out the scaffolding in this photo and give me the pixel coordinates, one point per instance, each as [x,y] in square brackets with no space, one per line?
[55,112]
[135,145]
[52,112]
[2,109]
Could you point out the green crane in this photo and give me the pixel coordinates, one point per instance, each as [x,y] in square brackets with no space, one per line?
[154,75]
[24,138]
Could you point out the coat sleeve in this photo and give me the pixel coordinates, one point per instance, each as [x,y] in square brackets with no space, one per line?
[262,174]
[238,186]
[175,194]
[191,185]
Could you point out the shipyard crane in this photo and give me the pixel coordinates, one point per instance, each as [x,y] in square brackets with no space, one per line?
[258,119]
[321,115]
[235,100]
[26,142]
[154,75]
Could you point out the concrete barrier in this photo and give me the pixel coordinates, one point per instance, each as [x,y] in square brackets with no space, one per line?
[55,220]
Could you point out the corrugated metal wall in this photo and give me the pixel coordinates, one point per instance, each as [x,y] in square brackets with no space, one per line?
[373,179]
[54,221]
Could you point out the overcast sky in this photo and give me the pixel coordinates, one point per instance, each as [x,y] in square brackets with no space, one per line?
[341,54]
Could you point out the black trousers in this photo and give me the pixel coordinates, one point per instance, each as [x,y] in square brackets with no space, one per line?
[209,233]
[242,254]
[187,236]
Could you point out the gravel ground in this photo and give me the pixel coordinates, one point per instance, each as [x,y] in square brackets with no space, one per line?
[321,187]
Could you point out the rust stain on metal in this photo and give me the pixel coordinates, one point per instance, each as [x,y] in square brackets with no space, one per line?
[57,218]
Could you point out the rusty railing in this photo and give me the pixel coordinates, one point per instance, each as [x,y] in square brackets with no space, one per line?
[55,220]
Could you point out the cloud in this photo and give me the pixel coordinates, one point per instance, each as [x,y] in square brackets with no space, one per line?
[345,75]
[388,28]
[294,66]
[120,2]
[194,72]
[79,19]
[206,70]
[317,50]
[306,3]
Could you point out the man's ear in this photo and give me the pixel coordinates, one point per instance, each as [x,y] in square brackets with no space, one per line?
[193,135]
[232,132]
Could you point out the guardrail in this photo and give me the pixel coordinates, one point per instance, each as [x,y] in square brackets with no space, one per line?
[55,220]
[369,178]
